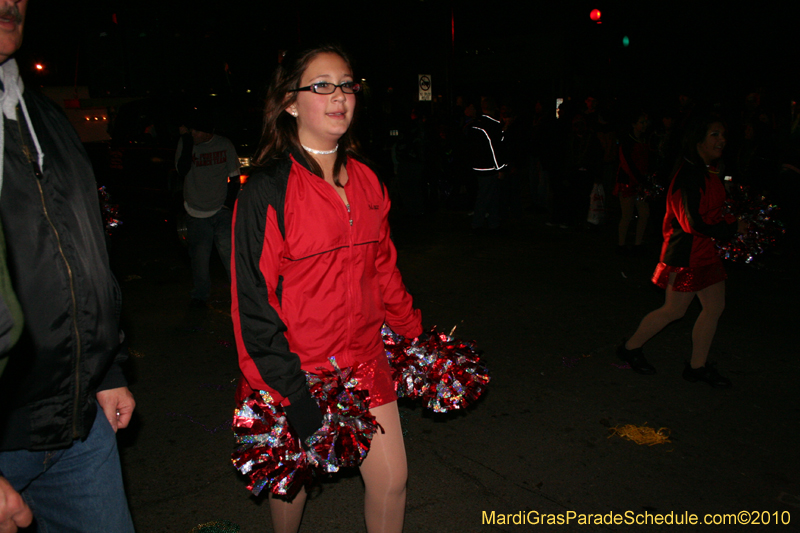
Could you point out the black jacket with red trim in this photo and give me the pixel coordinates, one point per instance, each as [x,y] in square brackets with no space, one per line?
[310,280]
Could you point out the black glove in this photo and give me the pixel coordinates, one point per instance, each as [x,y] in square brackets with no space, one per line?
[304,415]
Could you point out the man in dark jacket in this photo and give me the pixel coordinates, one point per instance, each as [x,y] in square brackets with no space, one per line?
[62,393]
[487,161]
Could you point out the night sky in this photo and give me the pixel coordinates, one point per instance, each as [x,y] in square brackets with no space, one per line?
[155,47]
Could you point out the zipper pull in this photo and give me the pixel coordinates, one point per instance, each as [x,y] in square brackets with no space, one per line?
[32,158]
[33,161]
[36,170]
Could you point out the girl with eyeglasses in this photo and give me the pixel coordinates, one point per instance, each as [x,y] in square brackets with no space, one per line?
[314,272]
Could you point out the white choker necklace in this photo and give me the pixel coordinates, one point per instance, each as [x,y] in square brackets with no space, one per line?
[320,152]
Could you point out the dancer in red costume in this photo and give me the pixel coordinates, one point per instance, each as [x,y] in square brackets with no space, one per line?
[689,264]
[635,164]
[314,272]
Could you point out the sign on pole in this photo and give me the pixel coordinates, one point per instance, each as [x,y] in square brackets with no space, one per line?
[425,92]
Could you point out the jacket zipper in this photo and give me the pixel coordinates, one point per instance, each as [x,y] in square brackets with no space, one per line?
[350,283]
[37,172]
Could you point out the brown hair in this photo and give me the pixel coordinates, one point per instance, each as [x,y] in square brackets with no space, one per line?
[279,134]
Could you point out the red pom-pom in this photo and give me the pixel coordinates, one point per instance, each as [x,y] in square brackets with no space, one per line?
[348,428]
[649,189]
[110,211]
[270,453]
[445,373]
[763,229]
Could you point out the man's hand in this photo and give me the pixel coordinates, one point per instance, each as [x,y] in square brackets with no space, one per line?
[118,405]
[14,512]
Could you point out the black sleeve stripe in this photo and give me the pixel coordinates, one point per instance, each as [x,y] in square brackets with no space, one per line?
[692,188]
[329,251]
[261,328]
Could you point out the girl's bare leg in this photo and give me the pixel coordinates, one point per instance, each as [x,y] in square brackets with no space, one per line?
[286,516]
[675,306]
[385,473]
[643,208]
[626,206]
[713,301]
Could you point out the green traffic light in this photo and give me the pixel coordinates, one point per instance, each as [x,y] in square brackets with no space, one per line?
[626,41]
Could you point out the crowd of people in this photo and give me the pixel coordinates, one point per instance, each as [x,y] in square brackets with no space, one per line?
[549,159]
[679,167]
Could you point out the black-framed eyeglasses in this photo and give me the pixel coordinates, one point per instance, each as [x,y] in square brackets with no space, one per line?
[326,87]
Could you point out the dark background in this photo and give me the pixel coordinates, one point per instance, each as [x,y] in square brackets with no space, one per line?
[154,47]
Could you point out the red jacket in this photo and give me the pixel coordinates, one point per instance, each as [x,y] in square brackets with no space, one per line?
[634,166]
[694,217]
[310,280]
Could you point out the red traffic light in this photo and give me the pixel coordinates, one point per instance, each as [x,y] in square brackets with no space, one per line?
[595,15]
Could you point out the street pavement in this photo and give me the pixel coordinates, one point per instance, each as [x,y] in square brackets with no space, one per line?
[548,307]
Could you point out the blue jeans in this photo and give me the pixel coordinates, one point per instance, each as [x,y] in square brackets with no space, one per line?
[78,489]
[201,235]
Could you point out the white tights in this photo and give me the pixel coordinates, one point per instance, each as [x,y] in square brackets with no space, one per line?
[384,472]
